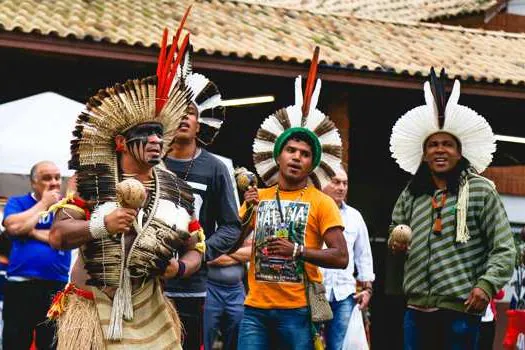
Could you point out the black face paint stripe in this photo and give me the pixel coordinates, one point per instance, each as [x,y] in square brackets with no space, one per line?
[133,149]
[142,151]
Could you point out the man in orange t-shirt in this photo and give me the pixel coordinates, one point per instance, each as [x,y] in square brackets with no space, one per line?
[292,221]
[296,151]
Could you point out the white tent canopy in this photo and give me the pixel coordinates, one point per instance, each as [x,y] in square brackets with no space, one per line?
[33,129]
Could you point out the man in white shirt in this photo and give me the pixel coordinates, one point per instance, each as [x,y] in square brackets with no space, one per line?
[341,284]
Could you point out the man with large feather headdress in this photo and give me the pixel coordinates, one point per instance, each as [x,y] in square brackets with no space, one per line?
[449,221]
[296,151]
[130,218]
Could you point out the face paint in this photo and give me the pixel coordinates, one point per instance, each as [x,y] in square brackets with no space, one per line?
[144,143]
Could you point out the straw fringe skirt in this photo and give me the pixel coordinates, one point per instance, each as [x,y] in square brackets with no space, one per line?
[155,324]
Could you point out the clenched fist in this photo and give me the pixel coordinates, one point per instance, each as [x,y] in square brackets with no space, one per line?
[50,197]
[120,220]
[251,196]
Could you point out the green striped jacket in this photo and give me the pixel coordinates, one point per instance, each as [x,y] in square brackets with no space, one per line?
[440,272]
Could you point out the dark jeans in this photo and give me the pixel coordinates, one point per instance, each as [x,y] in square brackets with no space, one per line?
[263,329]
[440,330]
[223,310]
[190,313]
[25,310]
[486,335]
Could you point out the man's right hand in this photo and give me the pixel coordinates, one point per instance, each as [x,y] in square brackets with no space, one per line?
[50,197]
[398,248]
[251,196]
[120,220]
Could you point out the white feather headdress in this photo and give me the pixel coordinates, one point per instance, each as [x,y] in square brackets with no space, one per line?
[478,142]
[304,116]
[206,97]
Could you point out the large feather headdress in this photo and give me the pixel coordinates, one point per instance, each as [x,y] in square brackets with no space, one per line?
[438,114]
[304,117]
[204,94]
[116,109]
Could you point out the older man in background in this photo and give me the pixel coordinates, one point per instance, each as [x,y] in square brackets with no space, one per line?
[341,284]
[35,271]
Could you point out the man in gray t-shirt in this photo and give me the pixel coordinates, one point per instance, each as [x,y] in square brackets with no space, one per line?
[215,203]
[216,209]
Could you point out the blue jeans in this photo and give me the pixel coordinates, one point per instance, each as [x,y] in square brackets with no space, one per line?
[223,310]
[263,329]
[442,329]
[335,330]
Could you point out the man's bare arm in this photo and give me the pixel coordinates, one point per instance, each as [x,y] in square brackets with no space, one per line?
[22,223]
[243,254]
[39,235]
[70,230]
[191,259]
[223,260]
[239,256]
[335,256]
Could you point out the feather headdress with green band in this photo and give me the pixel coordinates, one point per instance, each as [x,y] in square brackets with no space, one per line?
[302,117]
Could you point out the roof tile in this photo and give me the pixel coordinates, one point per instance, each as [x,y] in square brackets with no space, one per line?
[257,32]
[416,10]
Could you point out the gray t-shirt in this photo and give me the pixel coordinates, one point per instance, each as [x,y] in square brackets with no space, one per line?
[216,209]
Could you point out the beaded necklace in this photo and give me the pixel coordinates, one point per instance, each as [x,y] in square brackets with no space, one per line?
[282,230]
[188,168]
[438,226]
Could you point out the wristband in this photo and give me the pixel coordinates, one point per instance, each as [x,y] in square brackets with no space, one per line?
[294,254]
[182,269]
[97,228]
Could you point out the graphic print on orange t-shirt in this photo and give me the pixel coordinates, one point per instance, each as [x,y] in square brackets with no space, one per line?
[275,268]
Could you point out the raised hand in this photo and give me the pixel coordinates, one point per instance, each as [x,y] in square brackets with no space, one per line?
[50,197]
[251,196]
[120,220]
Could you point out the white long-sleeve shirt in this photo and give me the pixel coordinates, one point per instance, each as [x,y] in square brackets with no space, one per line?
[339,283]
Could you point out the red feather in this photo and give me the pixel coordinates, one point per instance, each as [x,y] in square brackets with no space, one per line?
[310,82]
[175,65]
[166,66]
[160,64]
[181,25]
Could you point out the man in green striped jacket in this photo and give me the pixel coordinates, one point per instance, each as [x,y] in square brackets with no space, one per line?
[461,250]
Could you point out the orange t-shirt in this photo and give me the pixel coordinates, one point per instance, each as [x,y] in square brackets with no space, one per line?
[275,281]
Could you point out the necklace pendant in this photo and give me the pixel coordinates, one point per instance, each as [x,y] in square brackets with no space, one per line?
[282,231]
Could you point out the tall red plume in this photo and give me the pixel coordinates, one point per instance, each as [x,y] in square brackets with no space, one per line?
[181,25]
[178,60]
[166,65]
[310,82]
[162,55]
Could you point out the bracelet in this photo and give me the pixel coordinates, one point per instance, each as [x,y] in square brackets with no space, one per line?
[182,269]
[295,246]
[96,225]
[301,251]
[369,290]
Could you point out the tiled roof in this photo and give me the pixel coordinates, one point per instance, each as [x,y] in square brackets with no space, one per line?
[262,32]
[416,10]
